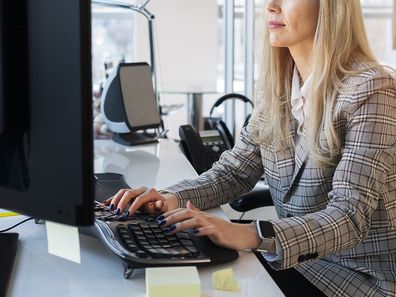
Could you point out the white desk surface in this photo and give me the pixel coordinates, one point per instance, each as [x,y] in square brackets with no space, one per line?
[39,274]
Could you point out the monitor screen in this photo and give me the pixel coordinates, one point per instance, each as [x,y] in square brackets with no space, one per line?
[46,145]
[137,90]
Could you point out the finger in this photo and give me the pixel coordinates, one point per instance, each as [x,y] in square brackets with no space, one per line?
[150,195]
[108,200]
[182,215]
[128,196]
[190,205]
[193,223]
[116,198]
[150,207]
[205,231]
[156,207]
[160,205]
[173,211]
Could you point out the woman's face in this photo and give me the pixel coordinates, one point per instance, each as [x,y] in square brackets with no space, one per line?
[292,23]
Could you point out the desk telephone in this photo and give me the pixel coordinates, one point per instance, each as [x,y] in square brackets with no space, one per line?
[203,148]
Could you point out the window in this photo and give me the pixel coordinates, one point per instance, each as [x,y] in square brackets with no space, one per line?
[116,37]
[378,20]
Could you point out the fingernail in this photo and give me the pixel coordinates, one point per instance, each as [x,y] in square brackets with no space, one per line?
[160,218]
[127,214]
[161,223]
[118,211]
[195,231]
[111,206]
[172,227]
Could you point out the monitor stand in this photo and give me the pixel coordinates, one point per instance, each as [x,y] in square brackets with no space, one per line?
[8,251]
[134,138]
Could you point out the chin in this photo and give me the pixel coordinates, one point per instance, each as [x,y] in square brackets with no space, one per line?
[277,44]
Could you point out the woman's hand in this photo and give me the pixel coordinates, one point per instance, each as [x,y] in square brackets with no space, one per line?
[143,199]
[221,232]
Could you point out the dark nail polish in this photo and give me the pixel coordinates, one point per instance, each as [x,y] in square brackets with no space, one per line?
[127,214]
[111,206]
[161,223]
[172,227]
[160,218]
[118,211]
[195,231]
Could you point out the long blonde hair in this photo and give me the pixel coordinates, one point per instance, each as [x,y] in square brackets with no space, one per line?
[340,41]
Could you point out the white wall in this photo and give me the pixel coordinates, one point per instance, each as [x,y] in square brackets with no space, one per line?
[187,40]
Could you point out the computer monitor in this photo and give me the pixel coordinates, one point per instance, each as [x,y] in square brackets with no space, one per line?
[46,145]
[129,104]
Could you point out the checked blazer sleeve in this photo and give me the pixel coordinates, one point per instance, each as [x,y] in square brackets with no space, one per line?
[363,178]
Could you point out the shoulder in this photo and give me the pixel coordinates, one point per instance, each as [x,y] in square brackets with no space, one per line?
[366,80]
[368,85]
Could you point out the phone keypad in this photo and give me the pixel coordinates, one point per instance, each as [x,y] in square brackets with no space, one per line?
[214,149]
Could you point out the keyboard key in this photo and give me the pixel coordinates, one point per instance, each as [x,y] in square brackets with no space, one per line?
[141,254]
[183,235]
[182,251]
[186,242]
[145,238]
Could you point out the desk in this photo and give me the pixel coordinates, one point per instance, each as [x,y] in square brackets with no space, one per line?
[38,274]
[194,99]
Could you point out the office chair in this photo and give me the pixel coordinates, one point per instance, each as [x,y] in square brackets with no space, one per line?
[251,200]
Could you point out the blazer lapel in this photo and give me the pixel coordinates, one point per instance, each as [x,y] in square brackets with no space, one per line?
[291,162]
[301,155]
[285,160]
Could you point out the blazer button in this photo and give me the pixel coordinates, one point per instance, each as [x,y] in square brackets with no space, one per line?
[289,215]
[312,256]
[301,258]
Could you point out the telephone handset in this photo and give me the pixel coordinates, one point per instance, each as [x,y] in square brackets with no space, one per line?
[202,148]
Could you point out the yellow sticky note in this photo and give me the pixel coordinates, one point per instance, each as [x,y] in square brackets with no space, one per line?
[8,214]
[225,280]
[173,282]
[63,241]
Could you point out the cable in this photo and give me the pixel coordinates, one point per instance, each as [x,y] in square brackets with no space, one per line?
[12,227]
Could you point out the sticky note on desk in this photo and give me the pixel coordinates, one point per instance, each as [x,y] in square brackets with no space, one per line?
[63,241]
[225,280]
[173,282]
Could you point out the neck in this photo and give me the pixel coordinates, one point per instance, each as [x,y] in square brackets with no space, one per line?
[302,58]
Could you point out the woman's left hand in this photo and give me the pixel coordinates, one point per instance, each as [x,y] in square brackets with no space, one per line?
[221,232]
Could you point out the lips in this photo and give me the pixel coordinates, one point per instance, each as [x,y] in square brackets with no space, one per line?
[275,25]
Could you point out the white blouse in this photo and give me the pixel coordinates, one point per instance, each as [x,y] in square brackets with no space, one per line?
[298,95]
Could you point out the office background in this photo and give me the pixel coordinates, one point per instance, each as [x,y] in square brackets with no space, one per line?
[205,44]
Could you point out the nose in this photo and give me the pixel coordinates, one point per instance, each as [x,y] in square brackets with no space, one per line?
[272,6]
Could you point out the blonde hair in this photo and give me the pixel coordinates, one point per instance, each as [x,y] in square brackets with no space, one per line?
[340,41]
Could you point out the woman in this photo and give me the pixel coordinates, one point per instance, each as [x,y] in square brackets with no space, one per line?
[323,133]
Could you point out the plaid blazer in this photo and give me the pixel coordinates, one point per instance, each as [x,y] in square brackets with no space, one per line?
[336,225]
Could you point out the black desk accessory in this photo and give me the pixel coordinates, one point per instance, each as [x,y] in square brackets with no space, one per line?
[8,251]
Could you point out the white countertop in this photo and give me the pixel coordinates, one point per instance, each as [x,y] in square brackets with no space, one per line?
[39,274]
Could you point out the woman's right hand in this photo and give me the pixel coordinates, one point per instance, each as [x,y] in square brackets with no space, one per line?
[143,199]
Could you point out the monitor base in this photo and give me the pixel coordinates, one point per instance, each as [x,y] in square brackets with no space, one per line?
[134,138]
[8,252]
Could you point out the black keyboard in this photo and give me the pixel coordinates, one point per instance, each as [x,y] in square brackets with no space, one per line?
[140,242]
